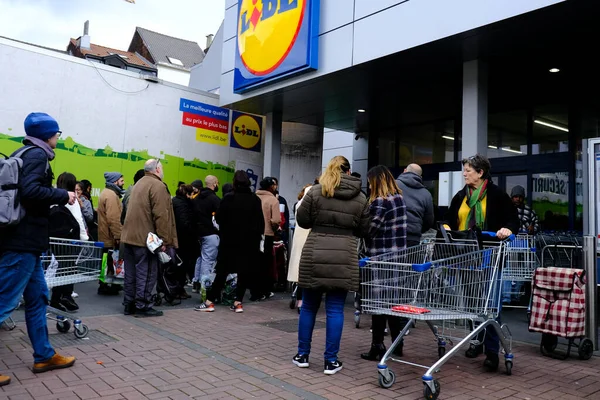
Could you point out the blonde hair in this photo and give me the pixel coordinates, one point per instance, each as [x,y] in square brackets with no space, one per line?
[382,182]
[332,176]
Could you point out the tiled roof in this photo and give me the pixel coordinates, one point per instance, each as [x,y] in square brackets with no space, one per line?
[162,46]
[101,51]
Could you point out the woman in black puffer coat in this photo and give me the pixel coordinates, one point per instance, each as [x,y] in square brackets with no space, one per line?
[185,223]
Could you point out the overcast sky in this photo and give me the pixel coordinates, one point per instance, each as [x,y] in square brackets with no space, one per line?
[112,22]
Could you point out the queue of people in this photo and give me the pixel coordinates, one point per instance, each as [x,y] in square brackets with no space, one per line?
[236,233]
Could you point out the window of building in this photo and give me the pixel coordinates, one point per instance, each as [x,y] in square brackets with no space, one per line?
[550,129]
[175,61]
[507,134]
[428,143]
[550,194]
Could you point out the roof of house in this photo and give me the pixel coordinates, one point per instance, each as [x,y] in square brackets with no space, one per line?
[163,47]
[101,51]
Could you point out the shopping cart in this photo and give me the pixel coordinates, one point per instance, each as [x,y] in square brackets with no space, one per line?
[437,282]
[521,260]
[69,262]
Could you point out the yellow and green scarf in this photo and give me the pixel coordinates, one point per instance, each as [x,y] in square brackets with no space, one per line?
[476,217]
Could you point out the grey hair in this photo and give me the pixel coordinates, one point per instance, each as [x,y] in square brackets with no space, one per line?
[151,165]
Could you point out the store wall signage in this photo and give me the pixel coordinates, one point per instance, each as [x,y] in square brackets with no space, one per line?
[211,123]
[276,39]
[246,131]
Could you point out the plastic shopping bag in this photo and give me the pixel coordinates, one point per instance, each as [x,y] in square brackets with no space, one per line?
[51,270]
[118,264]
[153,242]
[262,243]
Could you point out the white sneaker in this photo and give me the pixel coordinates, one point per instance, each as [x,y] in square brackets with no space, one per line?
[74,295]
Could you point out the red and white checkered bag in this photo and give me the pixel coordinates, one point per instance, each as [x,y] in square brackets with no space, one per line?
[558,306]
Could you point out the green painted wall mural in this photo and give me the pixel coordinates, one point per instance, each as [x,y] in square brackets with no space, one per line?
[91,164]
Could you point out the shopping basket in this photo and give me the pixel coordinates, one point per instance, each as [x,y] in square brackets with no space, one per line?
[69,262]
[436,281]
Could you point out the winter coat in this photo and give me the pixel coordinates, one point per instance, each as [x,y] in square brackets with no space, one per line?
[124,203]
[419,205]
[329,258]
[241,225]
[37,195]
[500,211]
[270,207]
[86,210]
[186,224]
[300,236]
[206,205]
[387,232]
[150,209]
[109,217]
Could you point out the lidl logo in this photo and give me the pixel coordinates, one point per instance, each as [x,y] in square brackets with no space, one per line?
[246,131]
[275,39]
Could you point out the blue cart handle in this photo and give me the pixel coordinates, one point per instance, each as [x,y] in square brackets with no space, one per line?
[493,234]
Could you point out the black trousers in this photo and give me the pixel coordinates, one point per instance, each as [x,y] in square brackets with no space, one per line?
[266,275]
[244,282]
[141,272]
[396,325]
[61,291]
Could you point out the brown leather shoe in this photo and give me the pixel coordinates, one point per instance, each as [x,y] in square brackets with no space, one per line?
[56,362]
[4,380]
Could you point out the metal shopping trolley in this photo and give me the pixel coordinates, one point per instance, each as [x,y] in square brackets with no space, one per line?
[521,260]
[69,262]
[437,282]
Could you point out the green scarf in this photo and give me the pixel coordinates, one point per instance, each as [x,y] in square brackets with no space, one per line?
[474,198]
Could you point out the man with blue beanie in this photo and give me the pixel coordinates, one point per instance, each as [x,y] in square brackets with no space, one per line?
[21,245]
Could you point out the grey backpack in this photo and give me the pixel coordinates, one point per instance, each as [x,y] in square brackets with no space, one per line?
[11,210]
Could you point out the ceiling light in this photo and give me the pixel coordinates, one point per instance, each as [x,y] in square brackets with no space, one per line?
[511,150]
[554,70]
[492,147]
[549,125]
[448,137]
[360,110]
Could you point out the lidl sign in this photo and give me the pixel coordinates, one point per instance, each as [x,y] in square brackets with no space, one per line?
[275,40]
[246,131]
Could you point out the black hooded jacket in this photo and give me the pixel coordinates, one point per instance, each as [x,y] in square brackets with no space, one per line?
[206,205]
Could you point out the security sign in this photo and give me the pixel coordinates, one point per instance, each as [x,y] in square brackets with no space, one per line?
[275,39]
[246,131]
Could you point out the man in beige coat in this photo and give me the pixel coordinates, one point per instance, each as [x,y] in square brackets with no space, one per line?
[150,209]
[270,206]
[109,223]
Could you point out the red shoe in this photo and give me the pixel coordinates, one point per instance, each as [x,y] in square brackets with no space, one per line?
[237,308]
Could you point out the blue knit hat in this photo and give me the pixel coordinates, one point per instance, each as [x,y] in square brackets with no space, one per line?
[41,126]
[112,177]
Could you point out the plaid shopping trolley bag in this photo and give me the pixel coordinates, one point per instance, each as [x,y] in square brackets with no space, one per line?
[558,309]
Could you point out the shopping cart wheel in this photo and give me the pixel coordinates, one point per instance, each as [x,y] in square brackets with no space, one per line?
[81,331]
[357,319]
[549,343]
[387,378]
[429,395]
[586,349]
[63,326]
[508,365]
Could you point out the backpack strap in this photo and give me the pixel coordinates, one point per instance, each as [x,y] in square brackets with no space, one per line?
[19,154]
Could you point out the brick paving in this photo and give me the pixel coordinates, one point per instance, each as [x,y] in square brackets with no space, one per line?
[187,354]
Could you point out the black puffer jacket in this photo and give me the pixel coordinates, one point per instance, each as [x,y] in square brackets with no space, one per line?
[185,223]
[37,195]
[329,258]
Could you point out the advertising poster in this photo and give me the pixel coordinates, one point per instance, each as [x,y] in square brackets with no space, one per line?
[211,123]
[246,131]
[254,172]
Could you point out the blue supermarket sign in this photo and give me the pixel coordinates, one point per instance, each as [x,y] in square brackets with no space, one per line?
[276,39]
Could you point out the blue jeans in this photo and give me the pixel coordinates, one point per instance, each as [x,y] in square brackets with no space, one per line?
[22,274]
[334,307]
[511,291]
[209,246]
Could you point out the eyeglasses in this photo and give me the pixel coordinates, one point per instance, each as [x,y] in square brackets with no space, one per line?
[58,134]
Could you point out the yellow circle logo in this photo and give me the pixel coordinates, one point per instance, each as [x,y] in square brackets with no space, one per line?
[246,131]
[267,31]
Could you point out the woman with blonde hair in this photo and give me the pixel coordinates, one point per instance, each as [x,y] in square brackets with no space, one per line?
[337,214]
[387,234]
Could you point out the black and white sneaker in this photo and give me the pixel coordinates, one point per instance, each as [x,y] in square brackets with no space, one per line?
[331,367]
[300,361]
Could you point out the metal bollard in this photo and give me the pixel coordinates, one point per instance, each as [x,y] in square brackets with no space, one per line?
[590,265]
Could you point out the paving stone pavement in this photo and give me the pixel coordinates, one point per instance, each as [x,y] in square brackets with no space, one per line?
[223,355]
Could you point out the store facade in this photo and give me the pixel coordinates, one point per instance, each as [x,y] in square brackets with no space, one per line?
[428,82]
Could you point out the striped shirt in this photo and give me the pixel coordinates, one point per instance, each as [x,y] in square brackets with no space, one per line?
[387,232]
[528,218]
